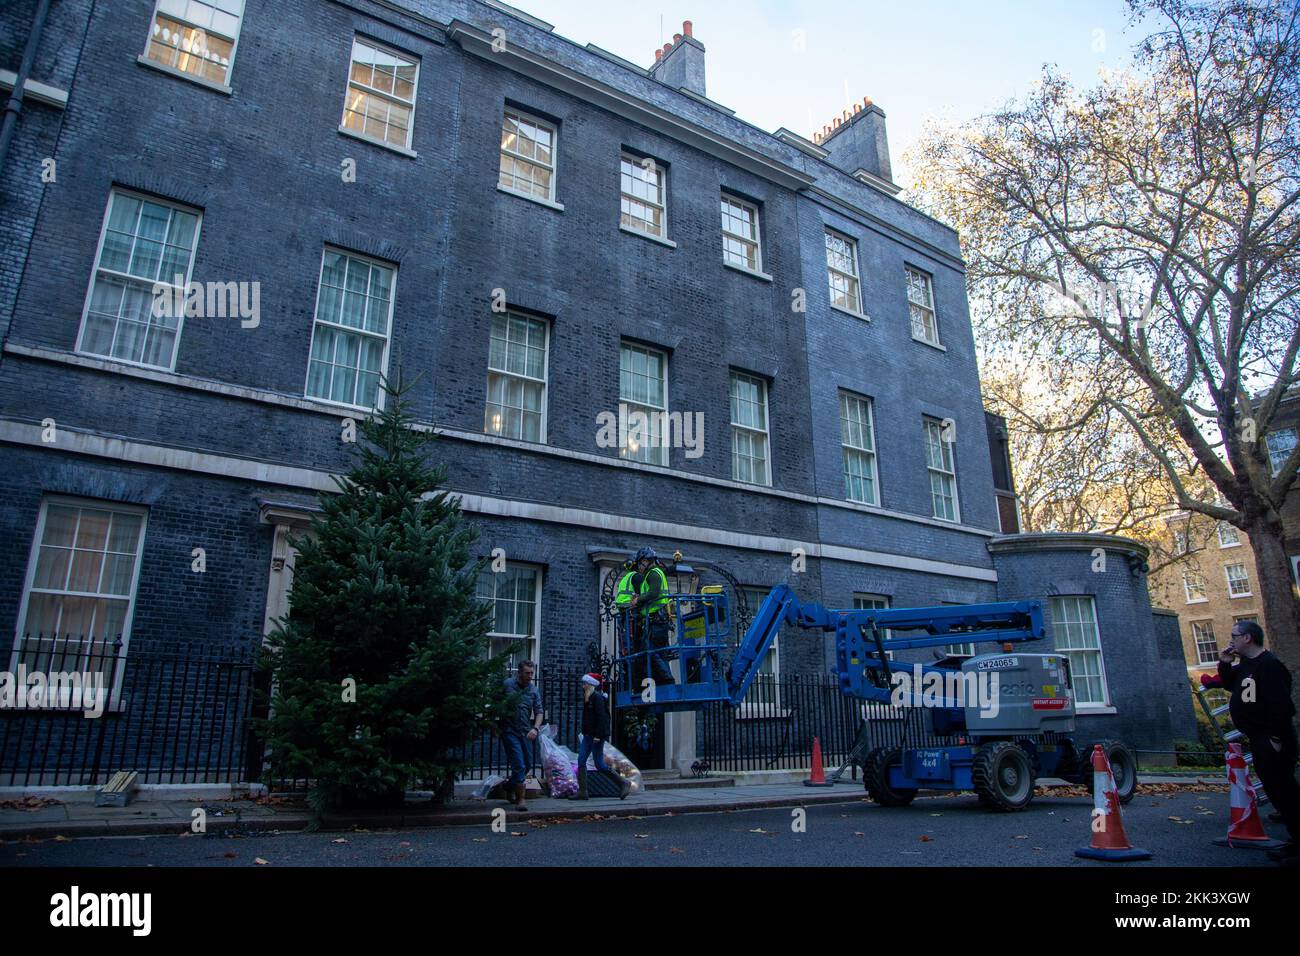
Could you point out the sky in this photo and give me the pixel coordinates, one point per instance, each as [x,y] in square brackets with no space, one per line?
[800,63]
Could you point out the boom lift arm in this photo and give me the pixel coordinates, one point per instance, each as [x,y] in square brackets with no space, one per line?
[864,636]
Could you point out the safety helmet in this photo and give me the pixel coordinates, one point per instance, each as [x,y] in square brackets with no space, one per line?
[647,554]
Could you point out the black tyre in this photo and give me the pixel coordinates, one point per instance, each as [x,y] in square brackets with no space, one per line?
[1003,776]
[875,775]
[1123,764]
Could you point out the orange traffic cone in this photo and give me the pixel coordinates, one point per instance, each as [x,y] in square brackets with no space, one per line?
[1109,841]
[818,777]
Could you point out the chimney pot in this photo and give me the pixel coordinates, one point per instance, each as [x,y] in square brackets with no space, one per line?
[659,55]
[687,28]
[677,38]
[667,48]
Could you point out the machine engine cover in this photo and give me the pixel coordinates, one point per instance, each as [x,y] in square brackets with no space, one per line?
[1033,694]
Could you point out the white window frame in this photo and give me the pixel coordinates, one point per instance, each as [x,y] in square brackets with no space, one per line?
[552,128]
[29,581]
[205,31]
[373,91]
[932,308]
[532,643]
[756,240]
[659,429]
[544,381]
[847,399]
[765,432]
[1198,638]
[1195,585]
[172,290]
[317,321]
[854,278]
[661,175]
[931,470]
[1274,464]
[1068,653]
[1245,576]
[1234,541]
[863,601]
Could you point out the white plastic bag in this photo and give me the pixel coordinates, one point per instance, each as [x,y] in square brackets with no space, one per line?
[483,789]
[619,764]
[558,765]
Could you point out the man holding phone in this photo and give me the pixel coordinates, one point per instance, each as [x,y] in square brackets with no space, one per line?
[1261,708]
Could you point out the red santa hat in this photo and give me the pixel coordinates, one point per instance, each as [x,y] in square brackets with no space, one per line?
[593,679]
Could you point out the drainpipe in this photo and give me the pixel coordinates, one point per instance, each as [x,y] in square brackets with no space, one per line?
[15,104]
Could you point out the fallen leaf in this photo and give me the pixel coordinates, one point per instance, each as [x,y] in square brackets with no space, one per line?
[259,861]
[926,838]
[517,833]
[480,839]
[758,830]
[858,833]
[340,840]
[674,849]
[404,843]
[1022,836]
[63,839]
[642,836]
[230,854]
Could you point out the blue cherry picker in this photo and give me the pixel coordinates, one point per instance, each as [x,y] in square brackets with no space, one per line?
[1006,717]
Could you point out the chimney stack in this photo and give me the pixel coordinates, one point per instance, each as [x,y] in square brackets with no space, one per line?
[856,140]
[680,64]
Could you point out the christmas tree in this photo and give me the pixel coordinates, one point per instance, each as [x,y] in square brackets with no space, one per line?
[381,668]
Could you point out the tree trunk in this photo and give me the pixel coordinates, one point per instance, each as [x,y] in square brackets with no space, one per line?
[1281,601]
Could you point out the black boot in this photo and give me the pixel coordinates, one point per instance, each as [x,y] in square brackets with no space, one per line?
[582,785]
[624,788]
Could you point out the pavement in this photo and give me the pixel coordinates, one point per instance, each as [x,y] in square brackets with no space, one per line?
[44,820]
[174,812]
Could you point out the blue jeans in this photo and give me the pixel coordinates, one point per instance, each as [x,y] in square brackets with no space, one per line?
[519,751]
[594,747]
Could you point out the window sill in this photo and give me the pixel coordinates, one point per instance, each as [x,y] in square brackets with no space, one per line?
[344,406]
[645,235]
[167,369]
[1234,597]
[1225,547]
[182,75]
[857,315]
[548,203]
[754,273]
[1095,710]
[493,436]
[1197,601]
[391,147]
[933,345]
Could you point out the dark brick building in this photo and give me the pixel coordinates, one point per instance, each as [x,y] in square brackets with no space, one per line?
[537,232]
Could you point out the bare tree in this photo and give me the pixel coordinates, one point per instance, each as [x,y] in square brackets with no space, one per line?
[1147,230]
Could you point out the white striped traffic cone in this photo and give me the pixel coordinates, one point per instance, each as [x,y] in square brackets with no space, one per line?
[1109,841]
[1243,822]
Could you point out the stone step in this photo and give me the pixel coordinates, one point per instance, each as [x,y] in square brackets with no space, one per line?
[671,780]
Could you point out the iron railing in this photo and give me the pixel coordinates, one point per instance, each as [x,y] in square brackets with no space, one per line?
[774,727]
[174,712]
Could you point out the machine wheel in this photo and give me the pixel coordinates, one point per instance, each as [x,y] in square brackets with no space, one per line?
[1004,776]
[1123,764]
[875,774]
